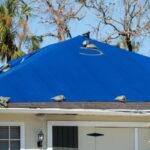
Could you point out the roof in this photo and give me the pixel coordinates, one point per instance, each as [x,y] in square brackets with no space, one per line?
[84,105]
[80,74]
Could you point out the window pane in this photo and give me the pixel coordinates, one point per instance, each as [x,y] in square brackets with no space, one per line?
[4,134]
[65,137]
[15,132]
[4,145]
[15,145]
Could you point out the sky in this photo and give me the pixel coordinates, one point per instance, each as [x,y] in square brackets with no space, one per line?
[80,27]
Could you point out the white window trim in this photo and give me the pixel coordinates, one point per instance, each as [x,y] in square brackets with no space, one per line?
[134,125]
[136,138]
[22,130]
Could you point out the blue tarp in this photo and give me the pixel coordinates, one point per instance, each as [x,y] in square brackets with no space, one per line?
[81,75]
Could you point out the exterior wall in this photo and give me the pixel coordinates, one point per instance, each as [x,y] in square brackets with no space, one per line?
[114,138]
[33,124]
[144,139]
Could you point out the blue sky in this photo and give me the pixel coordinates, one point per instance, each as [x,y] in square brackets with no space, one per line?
[80,27]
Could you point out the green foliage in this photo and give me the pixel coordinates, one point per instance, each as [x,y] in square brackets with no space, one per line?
[33,42]
[122,44]
[14,16]
[7,35]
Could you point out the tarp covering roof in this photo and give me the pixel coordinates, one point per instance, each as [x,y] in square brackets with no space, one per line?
[80,74]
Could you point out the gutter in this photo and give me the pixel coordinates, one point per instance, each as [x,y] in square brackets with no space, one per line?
[62,111]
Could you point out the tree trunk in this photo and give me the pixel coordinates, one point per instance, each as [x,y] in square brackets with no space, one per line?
[129,43]
[8,58]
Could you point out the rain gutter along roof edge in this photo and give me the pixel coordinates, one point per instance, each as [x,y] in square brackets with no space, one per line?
[59,111]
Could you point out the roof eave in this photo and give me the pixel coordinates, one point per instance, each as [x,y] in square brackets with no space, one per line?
[61,111]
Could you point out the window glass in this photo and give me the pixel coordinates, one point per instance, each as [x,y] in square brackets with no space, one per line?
[14,132]
[65,137]
[4,132]
[15,145]
[4,145]
[9,137]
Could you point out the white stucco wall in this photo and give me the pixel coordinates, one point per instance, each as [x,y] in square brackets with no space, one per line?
[113,139]
[33,124]
[144,139]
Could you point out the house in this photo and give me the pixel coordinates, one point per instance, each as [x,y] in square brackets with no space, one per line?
[76,95]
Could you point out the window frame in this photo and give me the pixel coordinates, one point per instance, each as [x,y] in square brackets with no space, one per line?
[22,132]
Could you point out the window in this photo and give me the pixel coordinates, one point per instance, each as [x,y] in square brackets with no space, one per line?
[65,137]
[10,138]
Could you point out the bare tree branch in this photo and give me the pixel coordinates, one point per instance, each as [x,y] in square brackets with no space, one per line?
[134,20]
[60,14]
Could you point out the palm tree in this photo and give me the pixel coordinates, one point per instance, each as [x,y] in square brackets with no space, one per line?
[7,36]
[33,42]
[14,15]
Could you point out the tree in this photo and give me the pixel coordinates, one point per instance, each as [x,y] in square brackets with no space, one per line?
[59,14]
[14,15]
[33,42]
[122,44]
[128,24]
[147,26]
[7,47]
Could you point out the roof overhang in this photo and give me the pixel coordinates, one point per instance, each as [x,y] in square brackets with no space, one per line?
[80,108]
[62,111]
